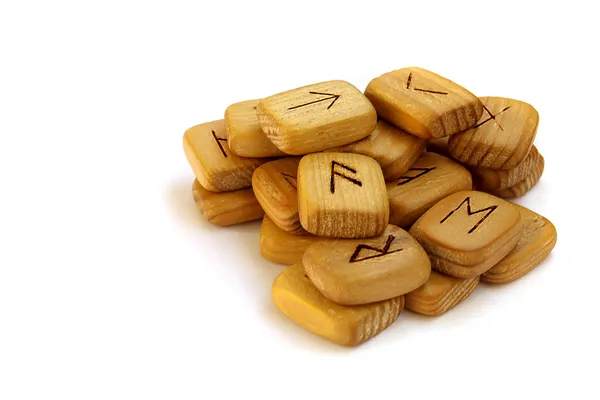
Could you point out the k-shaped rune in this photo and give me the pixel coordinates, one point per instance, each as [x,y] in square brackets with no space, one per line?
[219,140]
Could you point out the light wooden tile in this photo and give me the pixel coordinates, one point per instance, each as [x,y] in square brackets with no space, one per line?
[316,117]
[489,180]
[430,179]
[362,271]
[538,239]
[275,186]
[282,247]
[215,167]
[244,134]
[295,295]
[423,103]
[342,195]
[502,137]
[469,232]
[526,184]
[394,149]
[440,294]
[227,208]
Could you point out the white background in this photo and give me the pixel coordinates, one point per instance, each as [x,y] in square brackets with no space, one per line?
[112,286]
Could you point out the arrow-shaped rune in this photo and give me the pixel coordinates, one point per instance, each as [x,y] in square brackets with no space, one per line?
[333,97]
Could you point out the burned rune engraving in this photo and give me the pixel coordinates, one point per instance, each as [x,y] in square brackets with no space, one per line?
[405,179]
[219,140]
[334,173]
[409,80]
[467,200]
[382,252]
[492,117]
[333,97]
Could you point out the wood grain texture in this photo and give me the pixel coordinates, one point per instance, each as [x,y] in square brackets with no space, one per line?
[439,146]
[342,195]
[453,268]
[468,232]
[215,167]
[526,184]
[316,117]
[490,180]
[502,137]
[394,149]
[423,103]
[440,294]
[430,179]
[362,271]
[227,208]
[274,184]
[244,134]
[538,239]
[295,295]
[282,247]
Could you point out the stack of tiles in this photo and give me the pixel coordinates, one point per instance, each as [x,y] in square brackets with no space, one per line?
[499,149]
[366,220]
[222,189]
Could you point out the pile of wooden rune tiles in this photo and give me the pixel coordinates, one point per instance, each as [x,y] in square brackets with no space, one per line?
[376,201]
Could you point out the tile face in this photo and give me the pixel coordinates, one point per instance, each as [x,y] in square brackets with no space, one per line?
[244,134]
[502,137]
[295,295]
[275,186]
[394,149]
[439,294]
[316,117]
[489,180]
[423,103]
[526,184]
[467,233]
[282,247]
[362,271]
[430,179]
[342,195]
[538,239]
[215,167]
[227,208]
